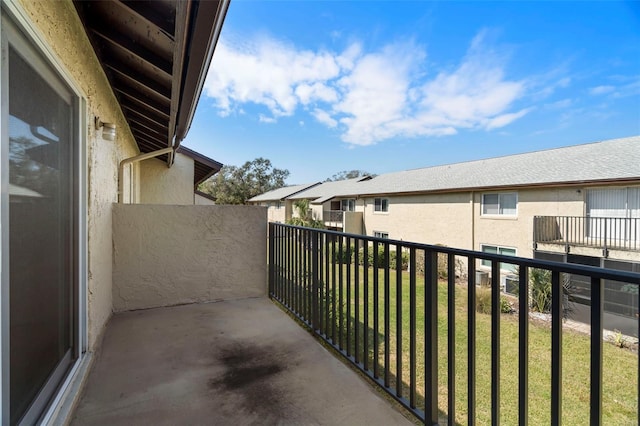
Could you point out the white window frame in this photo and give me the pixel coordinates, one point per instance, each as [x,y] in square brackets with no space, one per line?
[13,11]
[348,201]
[380,234]
[499,194]
[382,201]
[487,263]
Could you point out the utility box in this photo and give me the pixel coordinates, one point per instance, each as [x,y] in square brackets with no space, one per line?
[482,278]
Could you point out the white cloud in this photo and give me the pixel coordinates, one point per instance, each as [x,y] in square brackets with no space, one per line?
[264,119]
[324,118]
[601,90]
[368,96]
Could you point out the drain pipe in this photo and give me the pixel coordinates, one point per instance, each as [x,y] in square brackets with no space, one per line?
[136,159]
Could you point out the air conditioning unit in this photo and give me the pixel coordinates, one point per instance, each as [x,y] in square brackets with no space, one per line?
[511,284]
[482,278]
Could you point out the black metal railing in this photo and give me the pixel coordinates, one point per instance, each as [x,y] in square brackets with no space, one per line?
[601,232]
[333,216]
[377,301]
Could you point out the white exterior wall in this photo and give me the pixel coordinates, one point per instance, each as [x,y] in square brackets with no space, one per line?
[58,25]
[428,219]
[199,200]
[162,185]
[275,213]
[168,255]
[517,232]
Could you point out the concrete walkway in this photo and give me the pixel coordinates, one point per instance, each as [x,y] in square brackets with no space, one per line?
[240,362]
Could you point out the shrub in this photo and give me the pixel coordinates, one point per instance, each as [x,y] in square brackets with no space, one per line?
[382,262]
[344,255]
[540,283]
[483,302]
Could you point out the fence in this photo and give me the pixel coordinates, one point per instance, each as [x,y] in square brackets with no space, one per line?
[604,232]
[376,302]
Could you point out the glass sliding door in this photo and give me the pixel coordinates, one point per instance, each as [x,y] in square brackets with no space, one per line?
[41,125]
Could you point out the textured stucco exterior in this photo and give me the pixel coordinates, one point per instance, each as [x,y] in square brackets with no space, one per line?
[517,232]
[160,184]
[60,28]
[429,219]
[168,255]
[199,200]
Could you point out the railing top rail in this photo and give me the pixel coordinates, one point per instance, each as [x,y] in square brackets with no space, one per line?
[588,217]
[571,268]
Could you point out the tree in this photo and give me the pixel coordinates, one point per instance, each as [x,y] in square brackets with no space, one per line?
[305,216]
[348,174]
[236,185]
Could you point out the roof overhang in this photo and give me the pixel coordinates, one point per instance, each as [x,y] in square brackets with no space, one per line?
[203,167]
[156,55]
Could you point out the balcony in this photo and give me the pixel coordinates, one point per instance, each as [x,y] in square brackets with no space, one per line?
[602,233]
[344,220]
[333,217]
[226,354]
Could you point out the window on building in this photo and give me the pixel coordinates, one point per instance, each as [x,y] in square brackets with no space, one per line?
[506,251]
[381,205]
[378,234]
[502,203]
[348,205]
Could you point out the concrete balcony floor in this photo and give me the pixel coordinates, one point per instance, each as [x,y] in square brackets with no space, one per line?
[240,362]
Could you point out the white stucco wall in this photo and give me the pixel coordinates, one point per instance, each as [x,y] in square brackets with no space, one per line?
[277,214]
[162,185]
[199,200]
[168,255]
[517,232]
[58,25]
[428,219]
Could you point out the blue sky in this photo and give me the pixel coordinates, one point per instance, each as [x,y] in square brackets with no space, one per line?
[323,86]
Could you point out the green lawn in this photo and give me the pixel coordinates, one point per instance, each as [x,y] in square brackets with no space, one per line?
[620,396]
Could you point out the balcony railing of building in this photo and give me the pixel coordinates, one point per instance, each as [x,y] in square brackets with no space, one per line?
[601,232]
[379,310]
[333,216]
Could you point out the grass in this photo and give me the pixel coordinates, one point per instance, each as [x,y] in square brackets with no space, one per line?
[620,372]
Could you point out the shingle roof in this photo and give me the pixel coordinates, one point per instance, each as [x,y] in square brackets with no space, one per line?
[616,159]
[282,193]
[327,190]
[605,161]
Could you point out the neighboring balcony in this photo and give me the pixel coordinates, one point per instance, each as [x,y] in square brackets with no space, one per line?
[345,221]
[601,233]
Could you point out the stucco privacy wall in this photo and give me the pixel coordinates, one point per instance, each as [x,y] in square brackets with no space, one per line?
[168,255]
[61,29]
[162,185]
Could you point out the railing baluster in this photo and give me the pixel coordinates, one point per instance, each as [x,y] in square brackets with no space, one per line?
[376,338]
[348,298]
[451,337]
[556,349]
[597,314]
[327,290]
[356,292]
[387,314]
[495,342]
[412,326]
[315,274]
[399,320]
[365,314]
[471,341]
[340,294]
[431,337]
[333,290]
[523,346]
